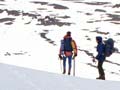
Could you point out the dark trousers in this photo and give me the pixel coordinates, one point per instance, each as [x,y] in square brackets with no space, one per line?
[100,69]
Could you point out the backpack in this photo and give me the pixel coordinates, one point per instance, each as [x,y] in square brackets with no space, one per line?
[66,44]
[109,47]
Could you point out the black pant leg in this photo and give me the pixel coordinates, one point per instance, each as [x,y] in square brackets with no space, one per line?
[100,69]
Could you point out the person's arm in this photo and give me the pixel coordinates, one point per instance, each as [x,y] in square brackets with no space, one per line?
[100,51]
[61,50]
[74,46]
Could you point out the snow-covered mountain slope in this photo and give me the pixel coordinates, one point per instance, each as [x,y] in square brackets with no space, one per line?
[19,78]
[29,38]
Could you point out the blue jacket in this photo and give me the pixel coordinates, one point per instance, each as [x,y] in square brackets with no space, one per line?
[100,49]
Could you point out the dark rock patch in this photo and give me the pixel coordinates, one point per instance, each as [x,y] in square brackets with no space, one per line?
[41,8]
[2,4]
[99,32]
[117,34]
[100,10]
[93,21]
[89,39]
[30,14]
[64,17]
[2,0]
[52,21]
[115,73]
[112,62]
[88,13]
[57,6]
[97,3]
[115,22]
[7,54]
[113,17]
[77,2]
[16,53]
[85,29]
[6,19]
[90,21]
[87,52]
[116,6]
[1,11]
[20,53]
[43,35]
[37,2]
[9,23]
[13,12]
[79,12]
[117,11]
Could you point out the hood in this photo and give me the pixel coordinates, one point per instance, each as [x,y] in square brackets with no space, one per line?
[99,39]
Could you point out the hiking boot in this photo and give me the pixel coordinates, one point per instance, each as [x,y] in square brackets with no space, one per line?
[101,77]
[68,73]
[98,78]
[64,71]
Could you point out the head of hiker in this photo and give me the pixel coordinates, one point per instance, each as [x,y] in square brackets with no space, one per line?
[68,33]
[99,39]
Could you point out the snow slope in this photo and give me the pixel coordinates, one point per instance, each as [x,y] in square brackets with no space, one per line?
[19,78]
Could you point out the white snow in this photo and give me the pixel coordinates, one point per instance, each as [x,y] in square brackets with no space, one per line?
[19,78]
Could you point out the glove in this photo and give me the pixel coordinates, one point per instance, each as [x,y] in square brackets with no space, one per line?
[94,60]
[60,57]
[74,56]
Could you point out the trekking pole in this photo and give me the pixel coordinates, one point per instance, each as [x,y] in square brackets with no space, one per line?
[60,64]
[73,66]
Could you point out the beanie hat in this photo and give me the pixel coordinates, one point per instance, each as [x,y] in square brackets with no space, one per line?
[68,33]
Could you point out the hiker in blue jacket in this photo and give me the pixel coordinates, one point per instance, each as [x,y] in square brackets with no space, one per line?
[100,57]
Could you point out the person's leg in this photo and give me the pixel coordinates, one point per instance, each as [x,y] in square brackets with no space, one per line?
[64,65]
[101,70]
[70,64]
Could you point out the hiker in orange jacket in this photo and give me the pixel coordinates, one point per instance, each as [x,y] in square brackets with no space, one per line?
[68,50]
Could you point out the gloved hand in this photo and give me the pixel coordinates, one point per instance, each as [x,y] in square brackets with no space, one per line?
[94,60]
[60,57]
[74,56]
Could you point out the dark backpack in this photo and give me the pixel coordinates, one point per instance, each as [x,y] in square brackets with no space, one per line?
[109,47]
[66,44]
